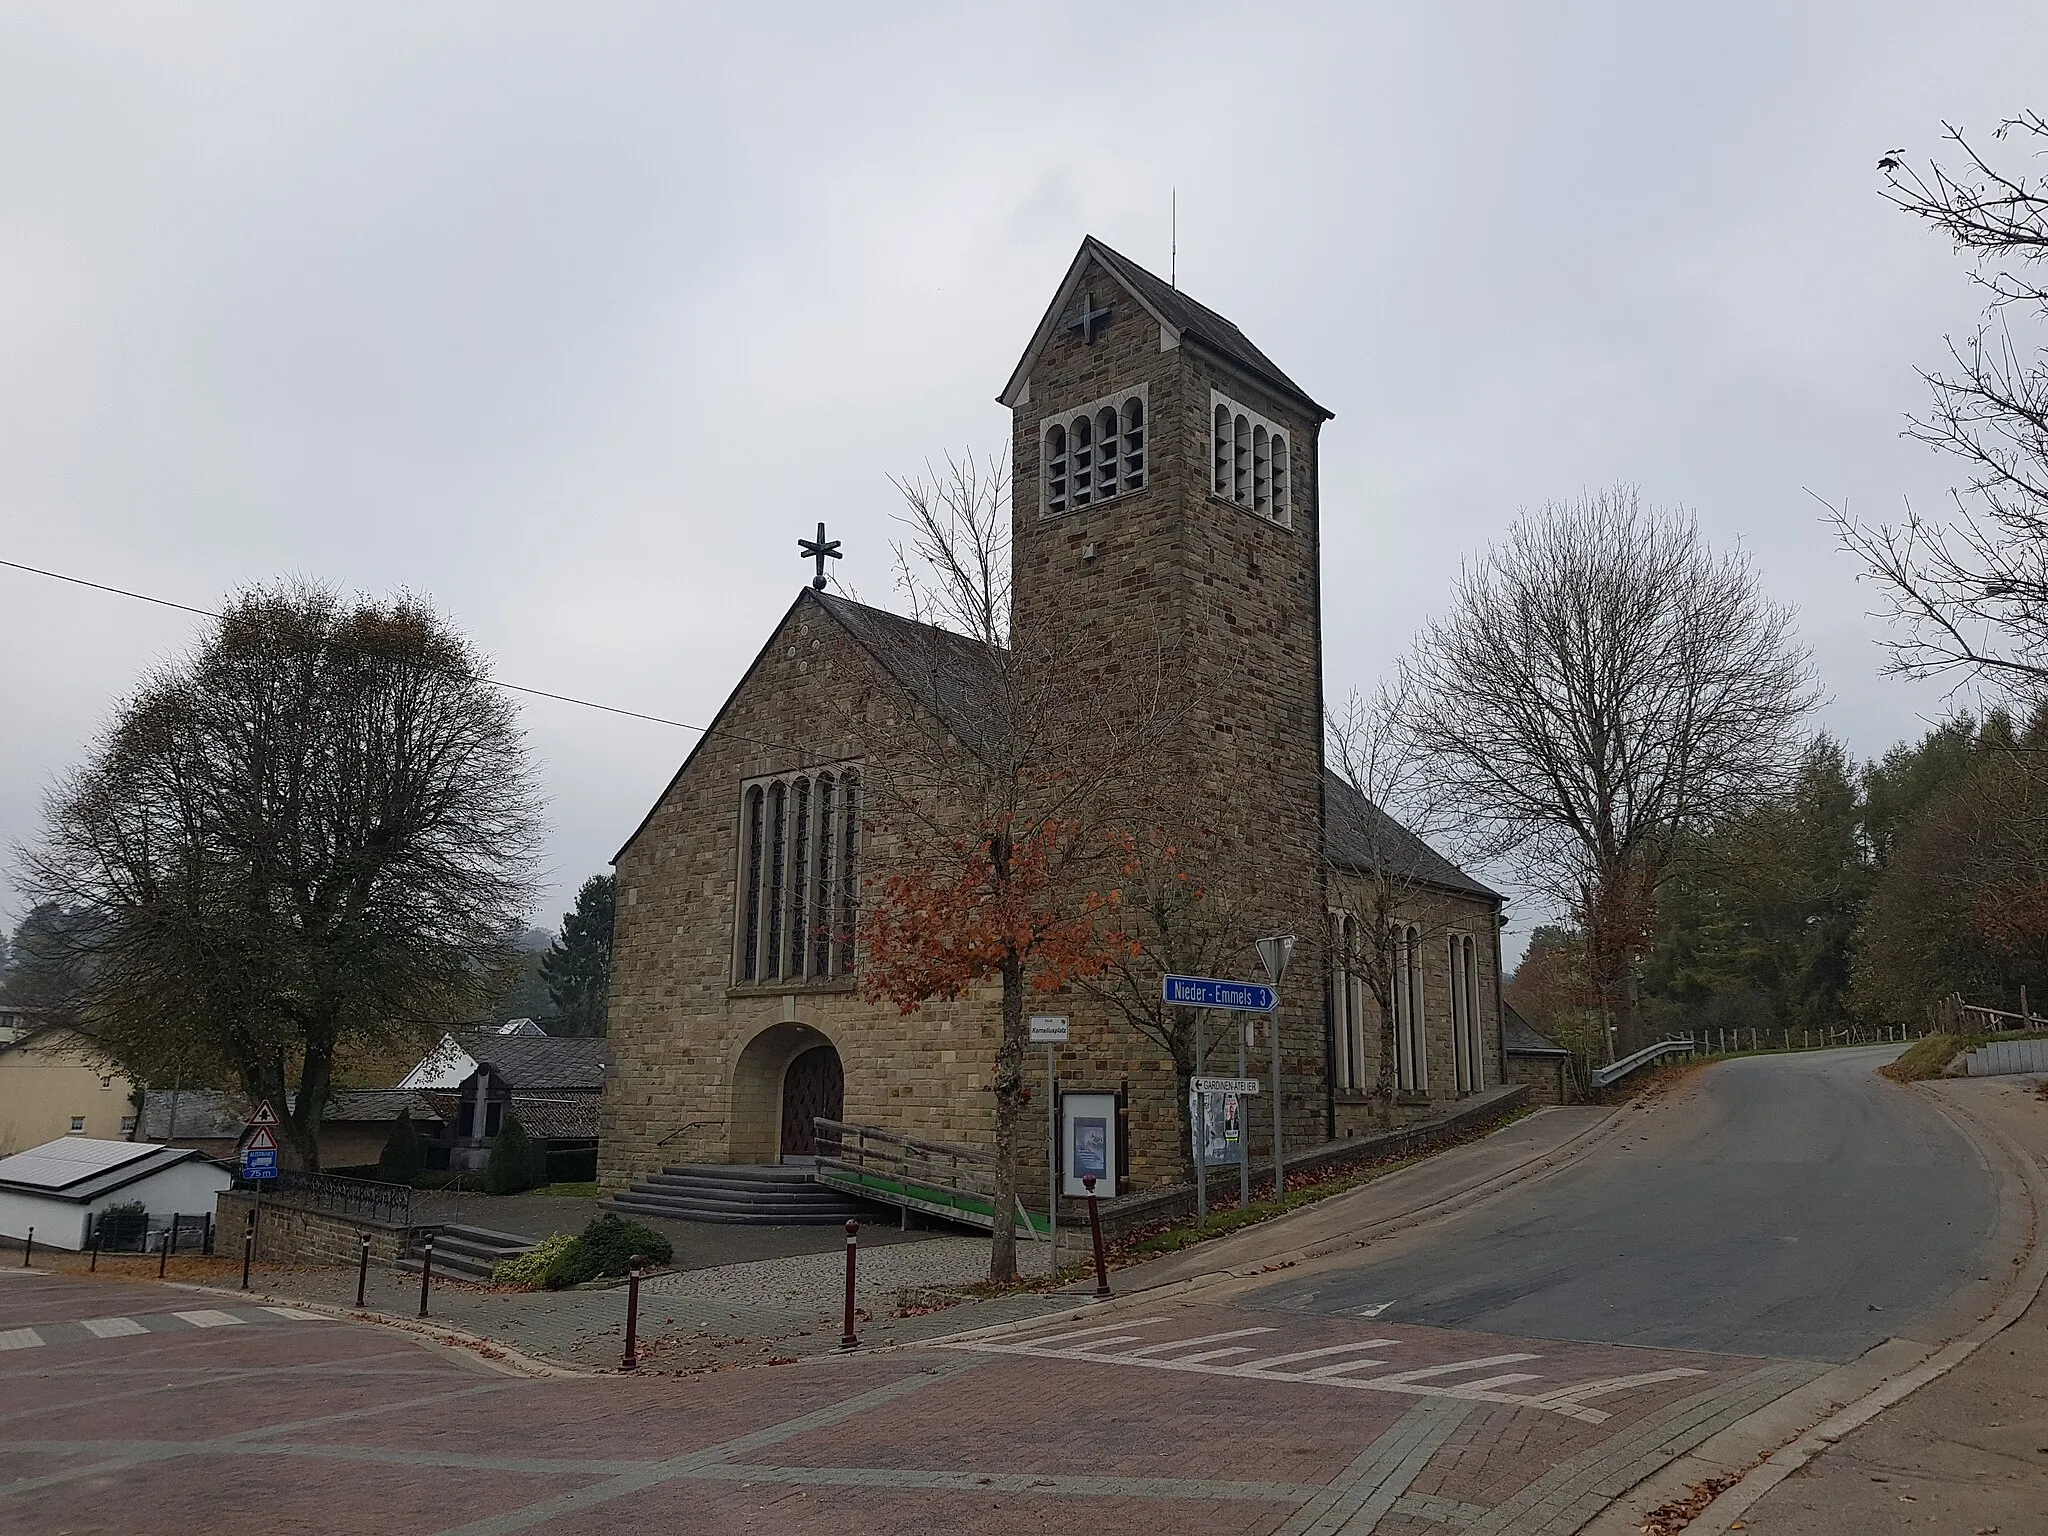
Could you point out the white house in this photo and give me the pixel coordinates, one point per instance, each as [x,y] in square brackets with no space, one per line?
[61,1186]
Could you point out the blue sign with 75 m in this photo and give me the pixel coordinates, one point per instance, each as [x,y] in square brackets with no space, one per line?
[1201,992]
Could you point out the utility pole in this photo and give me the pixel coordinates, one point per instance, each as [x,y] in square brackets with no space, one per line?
[1274,953]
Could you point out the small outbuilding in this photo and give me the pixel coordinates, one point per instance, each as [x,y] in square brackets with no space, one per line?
[1535,1059]
[63,1186]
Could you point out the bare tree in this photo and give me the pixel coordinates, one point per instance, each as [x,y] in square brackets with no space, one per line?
[1971,597]
[1604,685]
[1000,795]
[310,836]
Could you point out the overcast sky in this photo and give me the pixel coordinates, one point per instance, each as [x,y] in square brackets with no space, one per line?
[574,318]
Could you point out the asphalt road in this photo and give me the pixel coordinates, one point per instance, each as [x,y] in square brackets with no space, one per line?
[1794,1206]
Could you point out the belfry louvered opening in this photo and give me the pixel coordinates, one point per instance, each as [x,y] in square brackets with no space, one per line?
[1094,454]
[1251,462]
[799,877]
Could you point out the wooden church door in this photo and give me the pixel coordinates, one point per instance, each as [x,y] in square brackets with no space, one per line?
[813,1086]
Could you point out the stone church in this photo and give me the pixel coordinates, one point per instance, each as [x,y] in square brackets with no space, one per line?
[1164,482]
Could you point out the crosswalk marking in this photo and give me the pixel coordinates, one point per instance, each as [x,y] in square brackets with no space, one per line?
[20,1338]
[1094,1345]
[1316,1354]
[113,1327]
[298,1316]
[208,1319]
[1207,1338]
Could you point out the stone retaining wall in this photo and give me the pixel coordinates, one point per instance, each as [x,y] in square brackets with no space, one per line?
[287,1234]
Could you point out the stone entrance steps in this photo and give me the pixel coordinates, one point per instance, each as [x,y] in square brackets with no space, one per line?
[471,1252]
[764,1195]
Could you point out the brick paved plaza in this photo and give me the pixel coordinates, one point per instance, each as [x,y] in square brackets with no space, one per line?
[131,1406]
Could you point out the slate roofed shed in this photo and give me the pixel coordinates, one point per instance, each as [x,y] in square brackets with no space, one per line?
[59,1187]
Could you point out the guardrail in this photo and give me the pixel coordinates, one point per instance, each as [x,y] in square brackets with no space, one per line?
[1615,1071]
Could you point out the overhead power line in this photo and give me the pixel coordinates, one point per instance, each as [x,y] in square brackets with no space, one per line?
[537,693]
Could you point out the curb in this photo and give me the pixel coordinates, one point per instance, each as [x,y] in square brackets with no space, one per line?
[1541,1165]
[501,1356]
[1766,1469]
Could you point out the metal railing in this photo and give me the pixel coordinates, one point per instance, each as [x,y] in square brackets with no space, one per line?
[935,1177]
[1615,1071]
[364,1199]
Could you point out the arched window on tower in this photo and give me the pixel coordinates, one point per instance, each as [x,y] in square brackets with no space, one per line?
[820,934]
[1134,444]
[1095,453]
[849,869]
[778,835]
[1250,461]
[1262,473]
[1220,481]
[1108,439]
[799,878]
[1241,460]
[1280,467]
[1056,468]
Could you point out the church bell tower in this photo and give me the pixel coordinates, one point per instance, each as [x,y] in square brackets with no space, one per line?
[1165,504]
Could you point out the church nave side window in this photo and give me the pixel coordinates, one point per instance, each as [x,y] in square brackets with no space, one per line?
[1094,454]
[799,877]
[1250,463]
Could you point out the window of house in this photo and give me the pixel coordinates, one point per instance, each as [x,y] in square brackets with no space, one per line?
[127,1126]
[799,879]
[1094,454]
[106,1082]
[494,1117]
[78,1125]
[1251,463]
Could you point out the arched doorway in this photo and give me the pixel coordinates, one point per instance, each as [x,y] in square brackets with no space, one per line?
[776,1102]
[813,1086]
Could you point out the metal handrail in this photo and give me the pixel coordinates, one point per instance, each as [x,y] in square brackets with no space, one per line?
[694,1125]
[1615,1071]
[390,1204]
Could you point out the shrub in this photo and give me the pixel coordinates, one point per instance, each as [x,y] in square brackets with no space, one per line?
[515,1163]
[611,1240]
[559,1262]
[404,1157]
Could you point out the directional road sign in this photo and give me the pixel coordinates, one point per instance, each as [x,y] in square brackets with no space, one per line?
[1245,1085]
[259,1163]
[1201,992]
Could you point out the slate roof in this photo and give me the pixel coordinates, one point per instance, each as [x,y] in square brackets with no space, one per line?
[548,1062]
[1197,322]
[947,673]
[564,1117]
[211,1114]
[1519,1038]
[1359,835]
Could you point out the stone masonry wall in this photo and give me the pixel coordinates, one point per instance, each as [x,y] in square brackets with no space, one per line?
[1227,605]
[285,1234]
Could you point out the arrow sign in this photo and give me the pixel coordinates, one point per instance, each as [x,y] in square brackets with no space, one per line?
[1202,992]
[1239,1085]
[260,1140]
[264,1116]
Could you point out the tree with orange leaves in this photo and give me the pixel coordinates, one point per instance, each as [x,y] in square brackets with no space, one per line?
[993,800]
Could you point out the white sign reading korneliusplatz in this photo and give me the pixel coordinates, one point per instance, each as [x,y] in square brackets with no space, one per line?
[1048,1029]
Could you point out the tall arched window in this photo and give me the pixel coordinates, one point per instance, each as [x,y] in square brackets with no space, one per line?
[1468,1054]
[799,884]
[1411,1041]
[749,965]
[1220,483]
[1340,1000]
[1096,453]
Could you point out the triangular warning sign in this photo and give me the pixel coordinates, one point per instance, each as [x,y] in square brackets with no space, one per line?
[260,1140]
[264,1115]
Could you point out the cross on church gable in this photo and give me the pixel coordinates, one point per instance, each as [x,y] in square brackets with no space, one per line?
[1092,321]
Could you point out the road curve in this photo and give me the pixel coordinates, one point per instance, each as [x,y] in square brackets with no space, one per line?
[1794,1206]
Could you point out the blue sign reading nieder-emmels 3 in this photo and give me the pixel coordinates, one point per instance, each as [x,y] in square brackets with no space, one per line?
[1202,992]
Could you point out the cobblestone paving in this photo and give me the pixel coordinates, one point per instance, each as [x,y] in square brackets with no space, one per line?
[1143,1419]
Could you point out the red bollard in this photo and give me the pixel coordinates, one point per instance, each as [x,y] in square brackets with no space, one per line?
[848,1339]
[248,1247]
[29,1248]
[94,1266]
[631,1361]
[363,1270]
[426,1273]
[163,1254]
[1095,1227]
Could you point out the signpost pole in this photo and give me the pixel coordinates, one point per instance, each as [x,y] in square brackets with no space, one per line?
[1052,1163]
[1244,1141]
[1201,1137]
